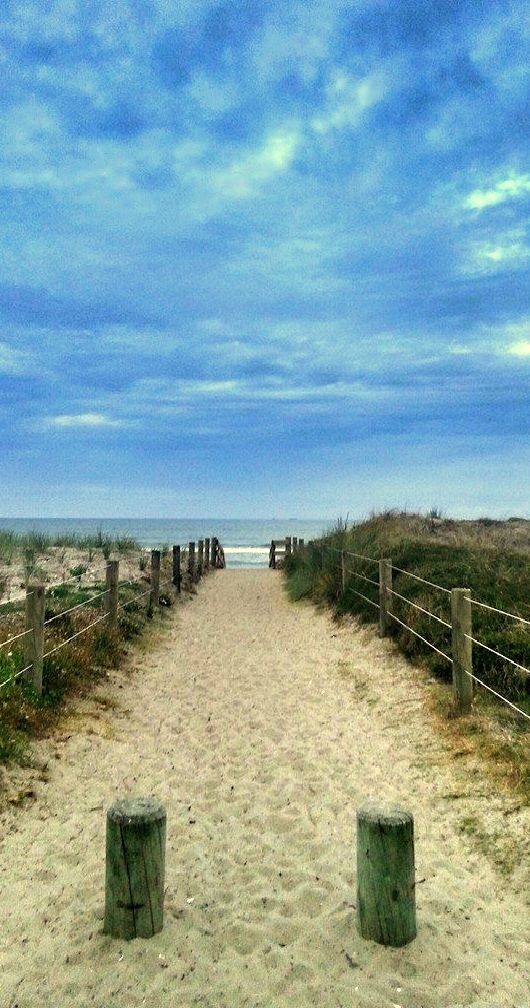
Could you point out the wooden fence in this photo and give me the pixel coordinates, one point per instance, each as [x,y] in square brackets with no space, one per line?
[186,567]
[281,548]
[460,626]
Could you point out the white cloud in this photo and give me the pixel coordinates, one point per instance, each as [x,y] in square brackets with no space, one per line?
[520,349]
[242,177]
[13,362]
[509,188]
[348,99]
[82,420]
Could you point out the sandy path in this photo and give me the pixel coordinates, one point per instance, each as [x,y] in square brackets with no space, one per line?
[262,727]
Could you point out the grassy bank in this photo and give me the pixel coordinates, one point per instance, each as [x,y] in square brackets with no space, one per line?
[451,555]
[75,667]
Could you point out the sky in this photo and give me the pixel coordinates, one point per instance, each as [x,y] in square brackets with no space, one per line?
[263,258]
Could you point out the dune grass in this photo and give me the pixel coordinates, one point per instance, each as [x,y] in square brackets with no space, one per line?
[70,671]
[496,576]
[35,543]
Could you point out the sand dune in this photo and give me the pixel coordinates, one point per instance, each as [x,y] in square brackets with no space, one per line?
[262,726]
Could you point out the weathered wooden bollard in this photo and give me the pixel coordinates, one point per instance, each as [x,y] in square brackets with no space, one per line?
[206,555]
[135,865]
[200,558]
[386,899]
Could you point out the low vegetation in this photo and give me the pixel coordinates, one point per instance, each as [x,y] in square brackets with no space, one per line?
[72,669]
[485,556]
[32,544]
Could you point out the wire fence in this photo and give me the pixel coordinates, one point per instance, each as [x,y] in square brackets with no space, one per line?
[386,591]
[109,596]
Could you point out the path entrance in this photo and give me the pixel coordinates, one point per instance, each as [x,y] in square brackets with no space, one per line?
[262,726]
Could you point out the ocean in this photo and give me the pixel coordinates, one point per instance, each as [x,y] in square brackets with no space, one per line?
[246,541]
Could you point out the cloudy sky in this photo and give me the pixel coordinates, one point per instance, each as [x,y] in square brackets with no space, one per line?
[264,258]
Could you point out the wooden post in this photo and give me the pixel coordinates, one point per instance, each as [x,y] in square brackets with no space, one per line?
[34,641]
[386,904]
[462,648]
[288,546]
[272,555]
[154,594]
[295,544]
[343,569]
[200,558]
[206,555]
[111,598]
[385,596]
[191,561]
[300,544]
[215,543]
[135,867]
[176,567]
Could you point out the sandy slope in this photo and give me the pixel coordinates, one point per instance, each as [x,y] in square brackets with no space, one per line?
[262,727]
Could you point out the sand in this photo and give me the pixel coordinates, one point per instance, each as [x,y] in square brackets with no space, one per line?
[55,565]
[262,726]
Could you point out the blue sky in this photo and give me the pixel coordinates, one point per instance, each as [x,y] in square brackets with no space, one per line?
[264,258]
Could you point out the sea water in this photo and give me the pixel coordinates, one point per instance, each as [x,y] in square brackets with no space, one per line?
[246,541]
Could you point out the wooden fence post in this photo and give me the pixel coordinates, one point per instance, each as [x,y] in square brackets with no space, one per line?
[462,648]
[288,546]
[272,555]
[135,868]
[113,578]
[213,551]
[154,594]
[191,561]
[215,548]
[206,555]
[385,596]
[300,544]
[386,904]
[34,641]
[343,569]
[295,544]
[176,567]
[200,558]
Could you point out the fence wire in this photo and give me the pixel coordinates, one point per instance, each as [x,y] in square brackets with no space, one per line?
[423,580]
[424,639]
[499,695]
[420,608]
[78,606]
[362,577]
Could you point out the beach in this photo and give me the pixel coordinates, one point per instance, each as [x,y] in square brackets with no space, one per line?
[262,726]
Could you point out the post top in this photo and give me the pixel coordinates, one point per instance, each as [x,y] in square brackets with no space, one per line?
[138,810]
[384,813]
